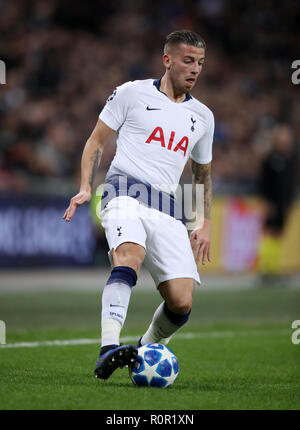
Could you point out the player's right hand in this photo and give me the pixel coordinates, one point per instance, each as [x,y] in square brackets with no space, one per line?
[78,200]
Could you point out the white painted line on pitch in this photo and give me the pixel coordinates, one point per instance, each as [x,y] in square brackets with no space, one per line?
[205,335]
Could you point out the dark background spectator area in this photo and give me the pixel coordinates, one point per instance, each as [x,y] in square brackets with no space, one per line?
[64,59]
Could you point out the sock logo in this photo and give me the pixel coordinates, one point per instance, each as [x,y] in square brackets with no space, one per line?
[119,230]
[116,315]
[120,304]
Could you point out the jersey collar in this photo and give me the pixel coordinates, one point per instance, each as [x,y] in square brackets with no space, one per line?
[156,83]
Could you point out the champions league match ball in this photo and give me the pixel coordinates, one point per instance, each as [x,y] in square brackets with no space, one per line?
[156,366]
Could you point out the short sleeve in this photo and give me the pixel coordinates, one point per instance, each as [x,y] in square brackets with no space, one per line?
[116,108]
[202,151]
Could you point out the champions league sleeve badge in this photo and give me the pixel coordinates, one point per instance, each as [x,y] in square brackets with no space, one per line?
[112,95]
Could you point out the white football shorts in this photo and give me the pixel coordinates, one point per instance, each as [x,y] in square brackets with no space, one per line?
[169,253]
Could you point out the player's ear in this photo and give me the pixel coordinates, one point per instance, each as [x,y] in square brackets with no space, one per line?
[167,61]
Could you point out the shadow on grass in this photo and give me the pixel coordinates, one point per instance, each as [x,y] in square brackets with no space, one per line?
[61,378]
[176,386]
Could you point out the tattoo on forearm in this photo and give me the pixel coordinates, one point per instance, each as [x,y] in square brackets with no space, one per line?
[202,175]
[95,159]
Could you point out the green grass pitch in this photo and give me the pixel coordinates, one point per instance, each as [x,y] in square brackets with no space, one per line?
[235,352]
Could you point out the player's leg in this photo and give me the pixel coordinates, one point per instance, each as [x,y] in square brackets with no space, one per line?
[173,312]
[127,260]
[171,262]
[126,238]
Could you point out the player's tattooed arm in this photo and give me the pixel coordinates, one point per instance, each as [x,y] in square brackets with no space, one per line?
[90,161]
[95,161]
[202,175]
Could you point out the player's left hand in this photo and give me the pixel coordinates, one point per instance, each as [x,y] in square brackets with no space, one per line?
[200,242]
[78,200]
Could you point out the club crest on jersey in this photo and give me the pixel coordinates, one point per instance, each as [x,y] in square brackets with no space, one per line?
[159,136]
[193,122]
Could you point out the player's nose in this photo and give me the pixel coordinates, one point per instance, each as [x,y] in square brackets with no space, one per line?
[195,69]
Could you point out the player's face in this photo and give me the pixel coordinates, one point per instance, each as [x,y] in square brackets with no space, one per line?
[184,63]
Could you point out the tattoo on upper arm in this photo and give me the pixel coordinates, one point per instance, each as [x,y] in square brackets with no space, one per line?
[95,159]
[202,175]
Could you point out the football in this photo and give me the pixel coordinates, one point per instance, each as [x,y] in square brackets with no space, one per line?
[156,366]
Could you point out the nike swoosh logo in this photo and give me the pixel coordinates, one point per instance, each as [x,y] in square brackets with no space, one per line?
[116,306]
[149,108]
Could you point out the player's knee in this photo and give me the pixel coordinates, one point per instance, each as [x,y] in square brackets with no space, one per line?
[131,261]
[181,306]
[131,255]
[178,314]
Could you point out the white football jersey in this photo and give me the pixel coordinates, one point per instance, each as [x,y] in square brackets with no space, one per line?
[156,136]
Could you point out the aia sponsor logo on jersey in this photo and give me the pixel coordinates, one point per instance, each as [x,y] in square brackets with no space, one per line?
[159,136]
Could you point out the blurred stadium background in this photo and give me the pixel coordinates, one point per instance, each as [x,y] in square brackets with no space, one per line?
[63,58]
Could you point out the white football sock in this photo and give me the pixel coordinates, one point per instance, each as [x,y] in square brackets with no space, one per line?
[161,328]
[115,301]
[110,332]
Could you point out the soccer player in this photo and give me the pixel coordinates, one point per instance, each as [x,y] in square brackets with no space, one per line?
[160,126]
